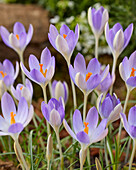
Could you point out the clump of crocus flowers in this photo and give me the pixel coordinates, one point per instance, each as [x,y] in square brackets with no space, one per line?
[90,126]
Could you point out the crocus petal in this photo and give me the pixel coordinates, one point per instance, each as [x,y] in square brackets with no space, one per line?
[50,73]
[22,40]
[8,67]
[15,128]
[79,63]
[93,66]
[68,129]
[77,121]
[55,119]
[29,85]
[30,116]
[124,121]
[72,73]
[127,34]
[45,111]
[132,130]
[8,80]
[26,72]
[80,81]
[93,82]
[131,81]
[3,124]
[59,90]
[29,34]
[97,18]
[132,116]
[76,33]
[33,62]
[14,42]
[105,18]
[64,30]
[45,57]
[117,27]
[37,76]
[107,107]
[8,106]
[17,70]
[92,119]
[122,72]
[83,137]
[18,28]
[105,73]
[71,41]
[5,35]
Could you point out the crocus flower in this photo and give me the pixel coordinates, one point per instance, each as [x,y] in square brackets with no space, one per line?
[19,39]
[14,121]
[117,39]
[60,90]
[110,108]
[53,112]
[130,125]
[7,73]
[88,132]
[127,70]
[87,79]
[23,91]
[41,73]
[64,42]
[97,20]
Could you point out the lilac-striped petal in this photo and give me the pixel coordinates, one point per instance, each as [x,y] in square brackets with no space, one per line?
[45,111]
[68,129]
[132,61]
[17,70]
[15,128]
[79,63]
[30,116]
[53,32]
[92,119]
[9,69]
[101,136]
[111,38]
[127,34]
[107,107]
[71,41]
[22,40]
[15,93]
[33,63]
[72,73]
[8,80]
[80,81]
[97,18]
[132,130]
[55,119]
[93,82]
[18,28]
[14,42]
[61,112]
[8,106]
[64,30]
[77,121]
[50,73]
[5,35]
[117,27]
[132,116]
[105,73]
[29,34]
[37,76]
[26,72]
[29,85]
[45,57]
[76,33]
[83,137]
[4,134]
[52,41]
[124,121]
[3,124]
[131,81]
[93,66]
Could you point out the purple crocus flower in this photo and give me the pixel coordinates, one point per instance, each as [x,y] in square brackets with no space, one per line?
[97,20]
[130,125]
[88,132]
[64,42]
[14,121]
[127,70]
[87,79]
[53,112]
[110,108]
[23,91]
[19,39]
[117,39]
[7,72]
[60,90]
[41,73]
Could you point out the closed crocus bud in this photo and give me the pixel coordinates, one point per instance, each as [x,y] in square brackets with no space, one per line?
[97,20]
[110,108]
[60,89]
[49,148]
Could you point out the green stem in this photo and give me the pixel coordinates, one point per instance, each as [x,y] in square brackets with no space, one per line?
[50,89]
[127,151]
[19,155]
[96,46]
[45,99]
[106,154]
[48,164]
[60,150]
[84,108]
[133,154]
[22,60]
[73,90]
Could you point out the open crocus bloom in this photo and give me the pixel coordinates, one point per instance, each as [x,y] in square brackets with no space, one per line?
[60,90]
[14,121]
[127,70]
[19,39]
[97,20]
[117,39]
[7,72]
[87,132]
[54,112]
[23,91]
[64,42]
[110,108]
[87,79]
[42,72]
[130,125]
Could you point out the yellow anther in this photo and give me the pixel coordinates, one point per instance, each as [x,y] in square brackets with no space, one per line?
[86,129]
[3,74]
[64,35]
[41,70]
[21,88]
[12,115]
[88,76]
[132,72]
[17,36]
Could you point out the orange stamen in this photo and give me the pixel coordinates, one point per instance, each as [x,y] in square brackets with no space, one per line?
[88,76]
[132,72]
[21,88]
[64,36]
[12,115]
[17,36]
[41,70]
[3,74]
[86,129]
